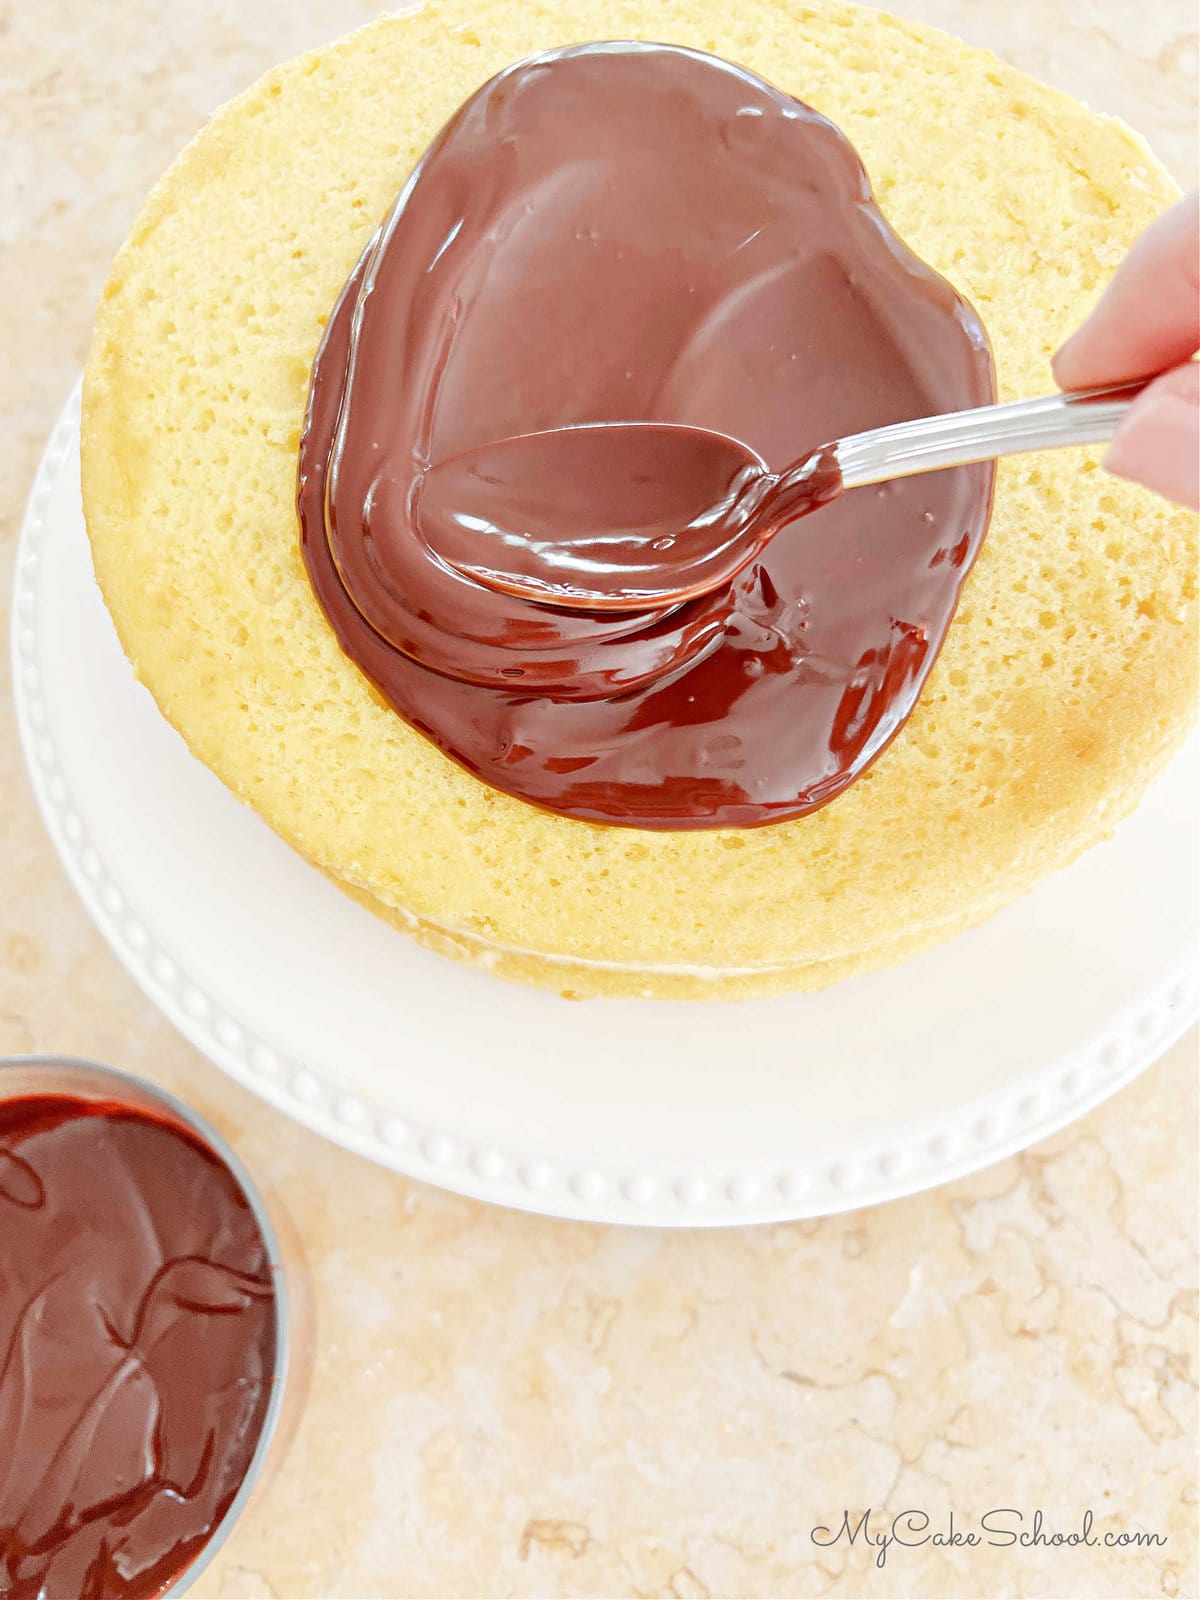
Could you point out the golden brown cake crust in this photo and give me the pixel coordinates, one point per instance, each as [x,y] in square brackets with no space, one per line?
[1068,675]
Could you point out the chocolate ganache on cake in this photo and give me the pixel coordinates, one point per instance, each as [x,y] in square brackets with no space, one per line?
[624,232]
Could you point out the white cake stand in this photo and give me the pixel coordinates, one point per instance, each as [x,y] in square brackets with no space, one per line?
[625,1111]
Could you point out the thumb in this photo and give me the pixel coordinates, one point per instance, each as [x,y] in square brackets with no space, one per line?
[1158,443]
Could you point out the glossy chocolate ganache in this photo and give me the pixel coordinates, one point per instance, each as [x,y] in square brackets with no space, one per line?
[137,1348]
[640,233]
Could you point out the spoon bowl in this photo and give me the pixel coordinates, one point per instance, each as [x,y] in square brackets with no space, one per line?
[594,516]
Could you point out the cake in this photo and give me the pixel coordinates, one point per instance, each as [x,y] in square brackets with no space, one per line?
[1066,678]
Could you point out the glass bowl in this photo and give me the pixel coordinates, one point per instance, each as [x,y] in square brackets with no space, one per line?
[22,1076]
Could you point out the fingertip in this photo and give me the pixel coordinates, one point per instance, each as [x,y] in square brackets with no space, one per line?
[1148,317]
[1060,363]
[1075,365]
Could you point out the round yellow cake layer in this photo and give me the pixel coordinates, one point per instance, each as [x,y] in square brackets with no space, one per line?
[1067,676]
[589,980]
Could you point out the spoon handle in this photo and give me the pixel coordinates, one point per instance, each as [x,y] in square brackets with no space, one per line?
[1087,416]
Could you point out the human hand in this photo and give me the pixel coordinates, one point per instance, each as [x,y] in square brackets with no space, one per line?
[1148,320]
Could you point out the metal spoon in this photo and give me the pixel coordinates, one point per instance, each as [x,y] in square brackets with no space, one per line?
[626,516]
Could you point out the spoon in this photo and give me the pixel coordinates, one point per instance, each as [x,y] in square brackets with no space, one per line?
[625,516]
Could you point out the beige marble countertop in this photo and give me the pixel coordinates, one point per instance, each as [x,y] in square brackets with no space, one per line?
[505,1405]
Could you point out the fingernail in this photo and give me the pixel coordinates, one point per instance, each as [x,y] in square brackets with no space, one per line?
[1157,445]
